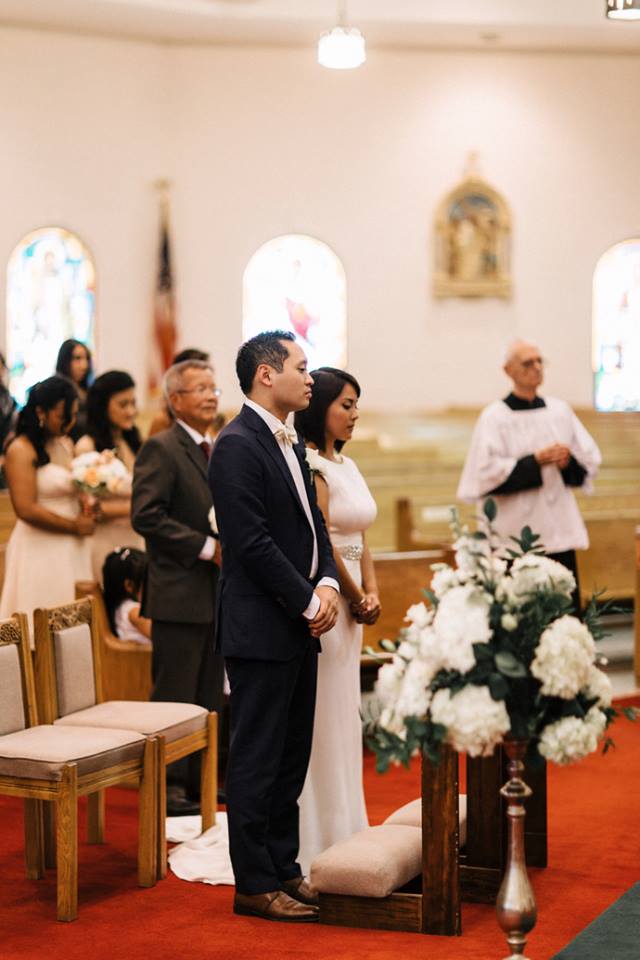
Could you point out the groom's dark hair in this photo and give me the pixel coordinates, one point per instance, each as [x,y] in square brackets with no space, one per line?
[263,348]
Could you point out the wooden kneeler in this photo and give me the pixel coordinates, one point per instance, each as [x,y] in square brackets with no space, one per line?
[431,903]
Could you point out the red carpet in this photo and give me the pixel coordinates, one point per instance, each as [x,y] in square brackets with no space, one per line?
[594,858]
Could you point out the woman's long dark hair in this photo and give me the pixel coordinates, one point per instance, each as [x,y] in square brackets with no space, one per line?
[63,363]
[328,384]
[46,395]
[99,426]
[124,563]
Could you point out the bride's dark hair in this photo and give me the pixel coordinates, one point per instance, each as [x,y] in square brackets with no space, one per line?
[46,395]
[328,384]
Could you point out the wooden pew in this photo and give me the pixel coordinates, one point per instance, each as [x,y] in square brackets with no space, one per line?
[401,576]
[126,666]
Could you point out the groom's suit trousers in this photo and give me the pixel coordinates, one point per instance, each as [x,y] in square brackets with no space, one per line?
[272,708]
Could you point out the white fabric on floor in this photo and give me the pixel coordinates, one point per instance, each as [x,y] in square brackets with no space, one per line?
[202,858]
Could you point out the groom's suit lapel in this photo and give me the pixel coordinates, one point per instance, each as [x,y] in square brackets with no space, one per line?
[269,443]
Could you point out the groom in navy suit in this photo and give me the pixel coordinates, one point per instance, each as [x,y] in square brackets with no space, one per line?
[278,593]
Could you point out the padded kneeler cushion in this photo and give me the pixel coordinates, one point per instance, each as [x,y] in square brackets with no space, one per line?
[372,863]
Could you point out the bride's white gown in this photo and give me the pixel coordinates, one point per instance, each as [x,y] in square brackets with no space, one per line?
[332,805]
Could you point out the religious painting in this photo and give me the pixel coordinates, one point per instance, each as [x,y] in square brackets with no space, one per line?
[616,328]
[473,231]
[50,298]
[297,283]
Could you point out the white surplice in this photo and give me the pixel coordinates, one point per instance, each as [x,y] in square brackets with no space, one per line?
[502,437]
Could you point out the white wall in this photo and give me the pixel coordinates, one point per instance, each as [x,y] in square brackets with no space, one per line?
[82,141]
[262,141]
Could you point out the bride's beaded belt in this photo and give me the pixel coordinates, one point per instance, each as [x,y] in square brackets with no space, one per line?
[351,551]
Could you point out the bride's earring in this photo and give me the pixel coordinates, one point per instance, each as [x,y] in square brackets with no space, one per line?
[41,422]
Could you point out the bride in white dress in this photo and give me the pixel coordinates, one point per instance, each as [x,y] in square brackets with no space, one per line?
[332,804]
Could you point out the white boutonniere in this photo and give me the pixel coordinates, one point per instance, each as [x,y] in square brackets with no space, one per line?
[314,462]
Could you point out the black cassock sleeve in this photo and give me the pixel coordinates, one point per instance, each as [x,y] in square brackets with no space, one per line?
[574,473]
[526,475]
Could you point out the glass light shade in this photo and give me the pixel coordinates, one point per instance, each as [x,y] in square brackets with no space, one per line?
[341,49]
[623,9]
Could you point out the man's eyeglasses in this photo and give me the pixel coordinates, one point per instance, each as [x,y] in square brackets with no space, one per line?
[203,389]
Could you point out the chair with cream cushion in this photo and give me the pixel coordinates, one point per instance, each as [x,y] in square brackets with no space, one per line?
[52,766]
[68,672]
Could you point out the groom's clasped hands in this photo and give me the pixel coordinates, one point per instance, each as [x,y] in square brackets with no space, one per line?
[327,614]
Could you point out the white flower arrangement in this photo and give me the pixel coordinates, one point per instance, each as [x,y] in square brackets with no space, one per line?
[496,653]
[101,474]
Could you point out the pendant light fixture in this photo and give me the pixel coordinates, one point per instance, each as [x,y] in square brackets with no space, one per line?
[623,9]
[343,47]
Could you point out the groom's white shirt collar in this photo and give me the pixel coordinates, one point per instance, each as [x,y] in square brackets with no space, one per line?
[269,418]
[296,472]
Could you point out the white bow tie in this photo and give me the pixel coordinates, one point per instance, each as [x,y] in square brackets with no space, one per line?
[287,434]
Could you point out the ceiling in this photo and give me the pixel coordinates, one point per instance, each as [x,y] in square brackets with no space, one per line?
[572,25]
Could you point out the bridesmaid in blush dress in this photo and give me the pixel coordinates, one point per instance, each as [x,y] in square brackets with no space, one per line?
[49,548]
[111,416]
[332,805]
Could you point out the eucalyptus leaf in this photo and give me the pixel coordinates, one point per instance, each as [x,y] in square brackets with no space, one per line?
[509,665]
[490,509]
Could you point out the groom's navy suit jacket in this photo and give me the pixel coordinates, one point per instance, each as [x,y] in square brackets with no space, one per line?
[267,543]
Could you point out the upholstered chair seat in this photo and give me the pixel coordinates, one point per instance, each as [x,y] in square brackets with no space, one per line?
[42,752]
[170,720]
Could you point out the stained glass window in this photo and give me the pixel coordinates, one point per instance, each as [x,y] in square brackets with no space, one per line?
[616,328]
[297,283]
[50,297]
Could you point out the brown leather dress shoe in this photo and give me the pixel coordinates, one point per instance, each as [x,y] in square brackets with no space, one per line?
[300,889]
[275,905]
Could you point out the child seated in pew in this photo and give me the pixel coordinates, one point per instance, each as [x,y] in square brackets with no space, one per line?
[123,575]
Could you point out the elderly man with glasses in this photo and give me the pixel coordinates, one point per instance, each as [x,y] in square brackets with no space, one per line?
[171,508]
[527,452]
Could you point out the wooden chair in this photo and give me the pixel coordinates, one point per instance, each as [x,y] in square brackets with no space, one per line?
[126,666]
[431,903]
[69,679]
[52,766]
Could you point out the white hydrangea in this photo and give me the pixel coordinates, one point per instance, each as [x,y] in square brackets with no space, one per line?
[571,738]
[419,614]
[531,573]
[475,722]
[564,657]
[598,687]
[444,578]
[389,681]
[415,696]
[461,620]
[468,553]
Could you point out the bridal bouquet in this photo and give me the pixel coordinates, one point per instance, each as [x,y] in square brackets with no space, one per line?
[495,652]
[101,474]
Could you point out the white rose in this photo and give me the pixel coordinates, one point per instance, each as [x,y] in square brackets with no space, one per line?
[388,682]
[475,722]
[563,658]
[462,619]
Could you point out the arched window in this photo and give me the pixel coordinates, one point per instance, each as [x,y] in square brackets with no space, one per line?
[297,283]
[616,328]
[50,297]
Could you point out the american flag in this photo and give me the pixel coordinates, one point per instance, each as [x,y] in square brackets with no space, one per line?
[164,307]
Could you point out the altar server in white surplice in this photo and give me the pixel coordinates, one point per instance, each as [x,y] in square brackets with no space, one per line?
[528,452]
